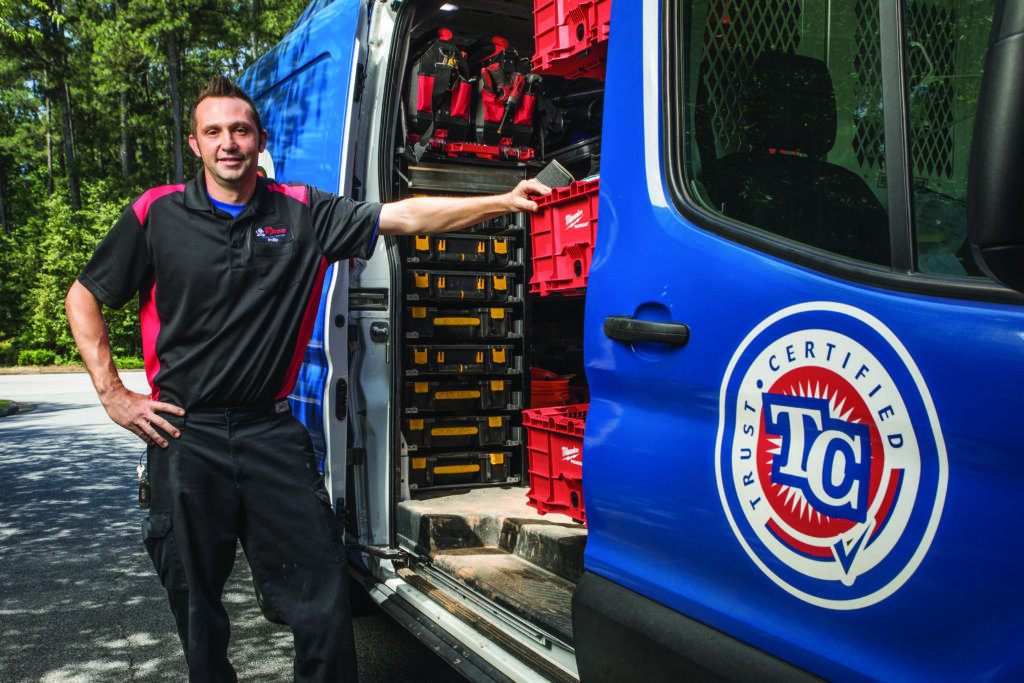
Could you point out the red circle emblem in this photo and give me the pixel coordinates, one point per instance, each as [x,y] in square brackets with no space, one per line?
[790,506]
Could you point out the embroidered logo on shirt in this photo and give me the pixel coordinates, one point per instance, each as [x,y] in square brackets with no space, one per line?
[270,234]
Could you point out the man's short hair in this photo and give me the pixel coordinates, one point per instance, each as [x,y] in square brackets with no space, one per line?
[222,86]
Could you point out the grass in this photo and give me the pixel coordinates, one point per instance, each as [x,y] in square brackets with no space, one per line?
[122,363]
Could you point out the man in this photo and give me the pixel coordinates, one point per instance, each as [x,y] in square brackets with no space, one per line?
[227,268]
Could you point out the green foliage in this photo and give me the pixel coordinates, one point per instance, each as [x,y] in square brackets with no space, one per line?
[21,34]
[87,122]
[37,357]
[67,242]
[8,352]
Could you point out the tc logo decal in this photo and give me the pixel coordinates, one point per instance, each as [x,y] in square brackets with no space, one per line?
[830,462]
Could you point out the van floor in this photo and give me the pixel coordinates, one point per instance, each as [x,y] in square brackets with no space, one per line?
[490,540]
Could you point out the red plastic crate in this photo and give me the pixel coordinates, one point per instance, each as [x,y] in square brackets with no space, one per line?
[562,234]
[571,37]
[554,440]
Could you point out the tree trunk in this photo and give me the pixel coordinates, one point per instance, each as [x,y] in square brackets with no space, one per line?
[69,146]
[123,145]
[3,212]
[254,37]
[172,72]
[47,102]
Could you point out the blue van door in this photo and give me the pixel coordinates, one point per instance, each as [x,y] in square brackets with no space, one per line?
[307,92]
[802,444]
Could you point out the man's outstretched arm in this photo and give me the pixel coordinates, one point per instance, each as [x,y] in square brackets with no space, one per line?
[418,215]
[135,412]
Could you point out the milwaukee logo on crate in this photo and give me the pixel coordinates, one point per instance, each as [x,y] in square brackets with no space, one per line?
[575,220]
[562,234]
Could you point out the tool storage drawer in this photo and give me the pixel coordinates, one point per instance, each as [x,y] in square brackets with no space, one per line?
[458,323]
[468,359]
[456,432]
[451,248]
[463,285]
[459,469]
[463,396]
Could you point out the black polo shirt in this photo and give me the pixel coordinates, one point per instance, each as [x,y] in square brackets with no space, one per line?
[227,304]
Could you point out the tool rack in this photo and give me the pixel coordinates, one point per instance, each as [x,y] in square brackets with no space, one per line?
[463,337]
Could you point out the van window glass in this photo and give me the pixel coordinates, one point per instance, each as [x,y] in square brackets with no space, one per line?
[946,41]
[785,106]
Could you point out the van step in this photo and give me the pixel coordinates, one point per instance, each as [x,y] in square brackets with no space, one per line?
[535,594]
[558,548]
[493,542]
[439,523]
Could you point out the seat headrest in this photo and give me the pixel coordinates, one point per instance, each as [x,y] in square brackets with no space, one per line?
[789,103]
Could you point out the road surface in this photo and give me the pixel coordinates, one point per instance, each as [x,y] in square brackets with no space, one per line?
[79,599]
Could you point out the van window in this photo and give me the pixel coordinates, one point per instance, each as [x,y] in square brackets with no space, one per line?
[786,121]
[946,44]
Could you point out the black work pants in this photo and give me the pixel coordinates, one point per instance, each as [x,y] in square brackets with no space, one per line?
[249,475]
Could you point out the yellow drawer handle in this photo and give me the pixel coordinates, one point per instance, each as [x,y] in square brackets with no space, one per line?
[444,395]
[456,469]
[456,322]
[454,431]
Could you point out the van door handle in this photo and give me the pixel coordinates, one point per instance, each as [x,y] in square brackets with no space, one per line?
[626,328]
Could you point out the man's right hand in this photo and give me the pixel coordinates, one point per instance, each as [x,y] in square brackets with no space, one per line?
[140,415]
[137,413]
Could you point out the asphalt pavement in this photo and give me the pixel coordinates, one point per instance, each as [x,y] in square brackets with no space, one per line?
[79,599]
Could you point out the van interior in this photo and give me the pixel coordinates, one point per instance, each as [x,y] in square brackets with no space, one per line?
[476,342]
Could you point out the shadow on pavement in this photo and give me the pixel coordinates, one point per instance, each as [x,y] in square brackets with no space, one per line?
[79,598]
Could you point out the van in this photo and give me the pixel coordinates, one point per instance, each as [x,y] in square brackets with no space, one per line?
[738,402]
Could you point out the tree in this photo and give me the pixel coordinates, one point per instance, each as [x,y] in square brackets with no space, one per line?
[93,108]
[18,33]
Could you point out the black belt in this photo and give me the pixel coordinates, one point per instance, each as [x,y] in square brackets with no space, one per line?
[240,412]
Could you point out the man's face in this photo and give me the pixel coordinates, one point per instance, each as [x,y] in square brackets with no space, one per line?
[227,141]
